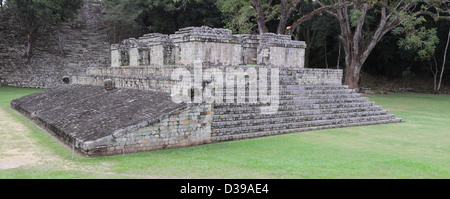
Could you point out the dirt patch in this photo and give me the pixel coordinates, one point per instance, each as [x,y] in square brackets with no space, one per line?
[19,149]
[16,148]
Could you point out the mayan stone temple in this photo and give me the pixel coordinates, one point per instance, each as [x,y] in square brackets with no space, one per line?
[259,84]
[215,47]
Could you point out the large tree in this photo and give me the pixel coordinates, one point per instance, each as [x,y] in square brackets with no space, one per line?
[286,9]
[364,23]
[37,16]
[424,40]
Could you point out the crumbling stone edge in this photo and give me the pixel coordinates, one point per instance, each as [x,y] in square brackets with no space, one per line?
[113,144]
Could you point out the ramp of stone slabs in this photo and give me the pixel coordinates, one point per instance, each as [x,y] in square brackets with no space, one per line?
[88,113]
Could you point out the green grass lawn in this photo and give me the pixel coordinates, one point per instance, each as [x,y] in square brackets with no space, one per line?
[416,148]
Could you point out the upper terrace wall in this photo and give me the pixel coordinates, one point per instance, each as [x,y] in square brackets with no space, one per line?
[214,46]
[158,78]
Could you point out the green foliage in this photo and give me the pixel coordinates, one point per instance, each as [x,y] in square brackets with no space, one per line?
[130,18]
[321,33]
[37,14]
[239,15]
[355,16]
[417,37]
[121,16]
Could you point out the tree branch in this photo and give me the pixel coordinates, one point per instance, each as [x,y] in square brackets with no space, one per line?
[357,35]
[326,8]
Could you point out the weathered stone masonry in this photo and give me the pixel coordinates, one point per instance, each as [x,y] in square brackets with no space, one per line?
[139,115]
[157,78]
[214,46]
[187,127]
[102,122]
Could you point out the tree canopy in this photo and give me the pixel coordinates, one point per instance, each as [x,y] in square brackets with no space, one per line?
[38,15]
[132,18]
[381,37]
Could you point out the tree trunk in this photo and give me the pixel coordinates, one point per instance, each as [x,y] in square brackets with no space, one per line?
[287,6]
[297,34]
[326,59]
[443,62]
[325,51]
[352,74]
[339,55]
[434,72]
[307,52]
[284,14]
[260,18]
[309,37]
[281,29]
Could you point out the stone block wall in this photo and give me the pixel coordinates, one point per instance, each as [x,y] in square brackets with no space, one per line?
[150,49]
[213,53]
[158,78]
[319,76]
[280,50]
[214,46]
[187,127]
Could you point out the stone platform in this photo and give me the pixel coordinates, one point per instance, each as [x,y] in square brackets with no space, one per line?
[101,122]
[139,115]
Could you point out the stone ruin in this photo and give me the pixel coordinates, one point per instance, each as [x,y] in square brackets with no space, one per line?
[61,51]
[136,112]
[214,46]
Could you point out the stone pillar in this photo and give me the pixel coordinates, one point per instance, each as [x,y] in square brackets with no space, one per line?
[134,56]
[262,56]
[157,55]
[280,50]
[115,56]
[302,58]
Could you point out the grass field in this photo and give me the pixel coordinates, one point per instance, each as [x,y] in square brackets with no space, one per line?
[416,148]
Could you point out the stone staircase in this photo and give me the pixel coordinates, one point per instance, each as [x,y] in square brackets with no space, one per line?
[309,99]
[84,43]
[302,107]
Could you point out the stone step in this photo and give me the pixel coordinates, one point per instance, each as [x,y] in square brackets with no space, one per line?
[311,92]
[323,101]
[297,101]
[291,93]
[286,131]
[322,96]
[293,119]
[322,87]
[288,96]
[247,116]
[246,109]
[285,91]
[296,125]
